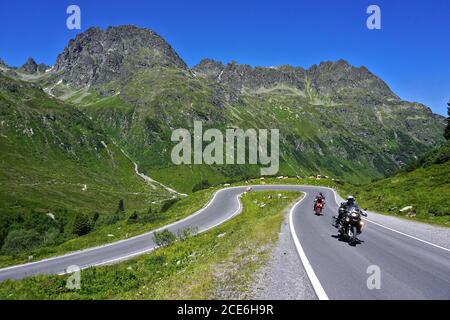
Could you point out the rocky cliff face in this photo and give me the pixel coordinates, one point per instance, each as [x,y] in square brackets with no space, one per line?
[209,68]
[98,56]
[117,53]
[333,78]
[32,67]
[240,76]
[327,78]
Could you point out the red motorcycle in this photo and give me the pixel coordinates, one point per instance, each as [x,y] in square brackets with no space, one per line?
[318,206]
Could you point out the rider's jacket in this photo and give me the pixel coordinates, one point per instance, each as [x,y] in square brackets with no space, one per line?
[345,207]
[322,199]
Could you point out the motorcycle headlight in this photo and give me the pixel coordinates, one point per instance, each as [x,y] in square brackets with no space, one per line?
[354,214]
[347,219]
[361,223]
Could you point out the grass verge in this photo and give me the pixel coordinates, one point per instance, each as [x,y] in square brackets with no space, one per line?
[115,232]
[218,264]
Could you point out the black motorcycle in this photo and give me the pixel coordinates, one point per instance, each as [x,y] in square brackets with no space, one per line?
[351,224]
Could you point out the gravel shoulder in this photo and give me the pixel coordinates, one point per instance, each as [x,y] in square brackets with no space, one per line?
[434,234]
[283,278]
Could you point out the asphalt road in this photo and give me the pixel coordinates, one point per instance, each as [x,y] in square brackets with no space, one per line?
[408,268]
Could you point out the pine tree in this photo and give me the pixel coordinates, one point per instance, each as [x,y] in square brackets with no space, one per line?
[121,206]
[447,129]
[81,225]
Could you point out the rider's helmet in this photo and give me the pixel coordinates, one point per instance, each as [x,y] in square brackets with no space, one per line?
[321,194]
[350,200]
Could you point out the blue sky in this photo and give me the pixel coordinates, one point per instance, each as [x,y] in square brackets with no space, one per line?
[411,52]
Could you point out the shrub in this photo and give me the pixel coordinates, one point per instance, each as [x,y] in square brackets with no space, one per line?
[168,203]
[200,186]
[164,238]
[81,225]
[95,217]
[150,216]
[38,221]
[21,240]
[186,233]
[108,219]
[133,218]
[121,206]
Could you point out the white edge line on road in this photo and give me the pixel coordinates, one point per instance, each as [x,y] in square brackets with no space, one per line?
[195,214]
[407,235]
[120,241]
[123,258]
[393,230]
[320,292]
[138,253]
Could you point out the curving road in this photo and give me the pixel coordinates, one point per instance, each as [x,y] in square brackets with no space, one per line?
[409,267]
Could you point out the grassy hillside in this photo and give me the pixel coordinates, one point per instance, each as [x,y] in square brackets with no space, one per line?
[424,185]
[55,165]
[345,140]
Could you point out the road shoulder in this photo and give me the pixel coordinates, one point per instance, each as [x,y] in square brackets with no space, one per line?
[283,277]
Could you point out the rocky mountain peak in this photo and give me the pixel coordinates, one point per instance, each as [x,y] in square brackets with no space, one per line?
[99,56]
[333,76]
[30,66]
[208,68]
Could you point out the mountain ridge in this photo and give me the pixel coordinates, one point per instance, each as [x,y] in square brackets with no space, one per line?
[96,55]
[139,89]
[288,74]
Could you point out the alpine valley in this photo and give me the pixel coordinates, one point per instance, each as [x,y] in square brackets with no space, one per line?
[91,133]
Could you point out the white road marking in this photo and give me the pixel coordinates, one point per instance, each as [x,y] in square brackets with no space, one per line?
[310,272]
[396,231]
[320,292]
[239,209]
[407,235]
[116,242]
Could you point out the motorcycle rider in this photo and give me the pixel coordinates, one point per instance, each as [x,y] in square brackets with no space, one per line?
[319,198]
[344,207]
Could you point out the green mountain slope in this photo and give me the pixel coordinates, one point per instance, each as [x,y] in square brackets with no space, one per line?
[334,119]
[56,164]
[424,185]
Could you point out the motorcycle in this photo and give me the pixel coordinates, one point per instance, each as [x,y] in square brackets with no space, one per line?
[351,224]
[318,207]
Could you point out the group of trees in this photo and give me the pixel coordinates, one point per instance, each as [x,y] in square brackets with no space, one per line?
[447,128]
[83,224]
[23,232]
[20,232]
